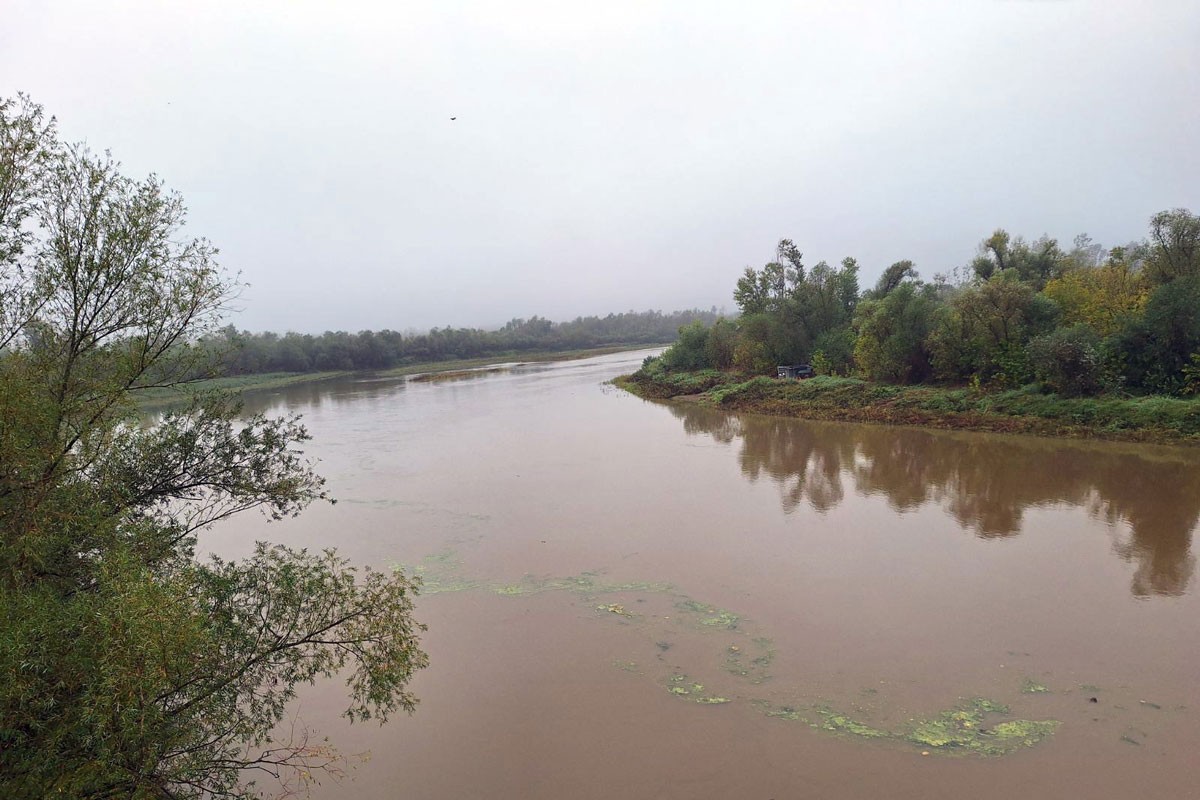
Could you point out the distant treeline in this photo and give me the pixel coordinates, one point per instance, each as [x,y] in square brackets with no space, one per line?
[245,353]
[1082,320]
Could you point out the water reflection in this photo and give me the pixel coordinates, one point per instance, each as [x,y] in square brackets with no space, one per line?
[308,397]
[984,482]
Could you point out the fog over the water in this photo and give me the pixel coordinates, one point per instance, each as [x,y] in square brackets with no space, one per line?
[619,155]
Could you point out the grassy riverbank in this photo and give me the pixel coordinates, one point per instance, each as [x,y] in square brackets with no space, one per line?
[153,398]
[1165,420]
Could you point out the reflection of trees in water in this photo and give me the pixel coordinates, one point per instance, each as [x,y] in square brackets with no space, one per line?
[985,482]
[1159,501]
[308,397]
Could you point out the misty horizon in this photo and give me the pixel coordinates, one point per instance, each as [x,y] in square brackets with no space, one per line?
[424,165]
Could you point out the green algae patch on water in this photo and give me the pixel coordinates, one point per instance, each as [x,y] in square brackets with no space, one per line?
[587,583]
[431,582]
[826,719]
[957,731]
[709,616]
[782,712]
[1030,686]
[962,730]
[615,608]
[682,686]
[840,723]
[750,665]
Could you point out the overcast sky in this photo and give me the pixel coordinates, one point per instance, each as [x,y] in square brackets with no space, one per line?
[616,155]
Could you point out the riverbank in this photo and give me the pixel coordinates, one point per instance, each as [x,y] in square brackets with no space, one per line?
[159,397]
[1164,420]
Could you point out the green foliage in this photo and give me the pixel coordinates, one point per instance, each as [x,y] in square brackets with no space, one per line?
[786,308]
[1068,361]
[836,346]
[1174,246]
[690,350]
[820,363]
[1034,263]
[130,668]
[722,344]
[1153,350]
[979,332]
[244,353]
[764,341]
[892,278]
[985,328]
[654,380]
[1191,376]
[892,333]
[1104,298]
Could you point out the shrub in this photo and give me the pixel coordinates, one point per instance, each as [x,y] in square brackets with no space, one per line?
[690,351]
[1068,360]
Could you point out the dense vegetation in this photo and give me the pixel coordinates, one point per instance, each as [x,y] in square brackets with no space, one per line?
[1083,321]
[245,353]
[129,667]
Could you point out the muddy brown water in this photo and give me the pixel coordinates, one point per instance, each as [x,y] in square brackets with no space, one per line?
[878,574]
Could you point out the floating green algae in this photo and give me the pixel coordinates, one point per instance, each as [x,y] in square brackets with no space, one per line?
[681,685]
[839,723]
[962,729]
[615,608]
[431,582]
[586,583]
[959,730]
[1030,686]
[751,665]
[710,616]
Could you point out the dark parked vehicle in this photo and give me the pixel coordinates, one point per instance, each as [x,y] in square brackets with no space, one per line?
[797,371]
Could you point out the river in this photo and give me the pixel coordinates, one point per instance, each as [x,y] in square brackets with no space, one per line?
[629,599]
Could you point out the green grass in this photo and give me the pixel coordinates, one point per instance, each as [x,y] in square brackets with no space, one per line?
[1026,410]
[149,398]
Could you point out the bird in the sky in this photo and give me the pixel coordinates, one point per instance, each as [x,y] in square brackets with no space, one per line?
[453,118]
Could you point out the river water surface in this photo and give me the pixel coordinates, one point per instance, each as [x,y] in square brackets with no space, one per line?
[629,599]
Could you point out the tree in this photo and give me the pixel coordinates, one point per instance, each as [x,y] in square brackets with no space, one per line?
[1153,350]
[769,289]
[893,276]
[1102,298]
[983,331]
[722,340]
[690,350]
[1034,263]
[1174,246]
[1068,360]
[892,332]
[131,668]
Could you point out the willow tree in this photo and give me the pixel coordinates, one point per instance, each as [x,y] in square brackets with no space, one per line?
[129,667]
